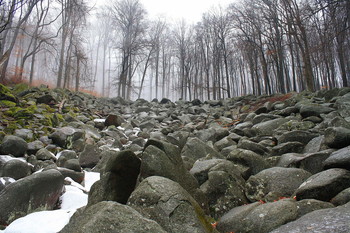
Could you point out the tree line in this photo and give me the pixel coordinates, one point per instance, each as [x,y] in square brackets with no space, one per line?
[250,47]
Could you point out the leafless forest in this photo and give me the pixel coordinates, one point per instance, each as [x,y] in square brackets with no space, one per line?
[251,47]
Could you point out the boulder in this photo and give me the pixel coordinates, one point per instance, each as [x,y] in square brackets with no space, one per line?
[337,137]
[314,145]
[253,146]
[324,185]
[90,156]
[222,183]
[338,159]
[313,162]
[287,147]
[196,149]
[308,205]
[45,154]
[64,137]
[39,191]
[267,127]
[258,218]
[297,136]
[13,145]
[15,169]
[335,220]
[113,119]
[64,156]
[110,217]
[73,164]
[118,179]
[280,181]
[251,162]
[308,110]
[167,203]
[163,159]
[341,198]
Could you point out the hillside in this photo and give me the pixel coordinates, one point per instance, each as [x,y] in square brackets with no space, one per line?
[276,163]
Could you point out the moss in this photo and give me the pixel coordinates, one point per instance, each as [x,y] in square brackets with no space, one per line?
[5,94]
[22,113]
[20,88]
[7,104]
[52,120]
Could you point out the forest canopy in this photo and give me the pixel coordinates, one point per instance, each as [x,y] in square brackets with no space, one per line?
[251,47]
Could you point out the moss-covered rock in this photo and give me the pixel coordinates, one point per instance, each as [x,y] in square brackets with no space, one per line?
[5,94]
[7,103]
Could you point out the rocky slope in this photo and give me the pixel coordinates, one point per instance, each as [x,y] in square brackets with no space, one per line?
[249,164]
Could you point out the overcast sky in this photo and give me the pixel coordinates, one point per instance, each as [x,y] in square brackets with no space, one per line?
[190,10]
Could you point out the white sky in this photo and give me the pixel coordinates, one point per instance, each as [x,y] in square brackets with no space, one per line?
[190,10]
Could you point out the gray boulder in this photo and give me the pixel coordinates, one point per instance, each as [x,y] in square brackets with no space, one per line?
[341,198]
[267,127]
[110,217]
[163,159]
[337,137]
[335,220]
[258,218]
[253,146]
[338,159]
[113,119]
[308,110]
[166,202]
[250,162]
[13,145]
[64,156]
[15,169]
[222,183]
[324,185]
[196,149]
[277,180]
[39,191]
[287,147]
[90,156]
[308,205]
[297,136]
[66,136]
[118,179]
[45,154]
[314,145]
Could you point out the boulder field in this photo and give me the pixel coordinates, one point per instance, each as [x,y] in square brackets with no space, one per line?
[261,164]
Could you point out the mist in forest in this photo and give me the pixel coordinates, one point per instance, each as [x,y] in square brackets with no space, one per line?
[116,48]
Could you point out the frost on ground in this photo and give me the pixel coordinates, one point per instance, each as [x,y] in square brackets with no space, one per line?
[53,221]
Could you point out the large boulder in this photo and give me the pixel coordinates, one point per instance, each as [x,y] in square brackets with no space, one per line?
[276,181]
[335,220]
[297,136]
[250,162]
[16,169]
[308,110]
[90,156]
[64,137]
[39,191]
[196,149]
[163,159]
[338,159]
[166,202]
[324,185]
[337,137]
[267,127]
[258,218]
[222,183]
[13,145]
[118,179]
[110,217]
